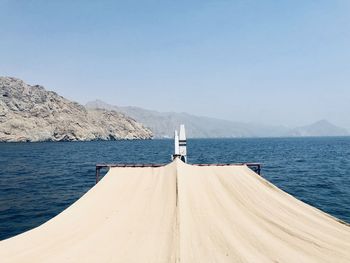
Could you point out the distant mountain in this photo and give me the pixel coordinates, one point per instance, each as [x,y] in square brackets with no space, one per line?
[31,113]
[320,128]
[163,124]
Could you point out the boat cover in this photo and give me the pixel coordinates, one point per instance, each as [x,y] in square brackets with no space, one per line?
[184,213]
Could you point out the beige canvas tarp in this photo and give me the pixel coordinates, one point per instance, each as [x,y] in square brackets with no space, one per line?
[184,213]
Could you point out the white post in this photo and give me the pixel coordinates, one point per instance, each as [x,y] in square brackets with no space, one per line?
[176,140]
[183,143]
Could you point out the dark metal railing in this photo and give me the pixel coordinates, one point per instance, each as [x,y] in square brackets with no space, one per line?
[100,166]
[256,167]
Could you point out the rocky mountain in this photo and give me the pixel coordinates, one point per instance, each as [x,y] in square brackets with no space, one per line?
[31,113]
[320,128]
[163,124]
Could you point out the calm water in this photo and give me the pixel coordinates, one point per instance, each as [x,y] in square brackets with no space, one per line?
[39,180]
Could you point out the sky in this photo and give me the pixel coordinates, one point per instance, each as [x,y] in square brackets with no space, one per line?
[272,62]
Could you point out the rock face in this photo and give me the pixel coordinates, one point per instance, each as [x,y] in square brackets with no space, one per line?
[31,113]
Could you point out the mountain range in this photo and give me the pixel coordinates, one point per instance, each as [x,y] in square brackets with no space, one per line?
[163,124]
[32,113]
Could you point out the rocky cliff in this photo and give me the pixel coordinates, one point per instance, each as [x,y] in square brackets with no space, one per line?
[31,113]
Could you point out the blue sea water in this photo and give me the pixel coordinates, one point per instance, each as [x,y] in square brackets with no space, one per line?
[39,180]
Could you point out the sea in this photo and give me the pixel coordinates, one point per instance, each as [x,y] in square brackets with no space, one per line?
[40,180]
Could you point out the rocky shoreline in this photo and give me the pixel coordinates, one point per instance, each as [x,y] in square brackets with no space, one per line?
[33,114]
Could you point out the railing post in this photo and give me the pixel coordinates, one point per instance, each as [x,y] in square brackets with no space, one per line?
[97,173]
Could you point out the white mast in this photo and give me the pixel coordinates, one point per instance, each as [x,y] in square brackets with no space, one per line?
[183,143]
[176,140]
[180,144]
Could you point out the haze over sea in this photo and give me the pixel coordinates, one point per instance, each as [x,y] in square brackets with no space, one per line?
[39,180]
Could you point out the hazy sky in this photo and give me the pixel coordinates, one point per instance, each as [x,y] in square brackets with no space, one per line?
[274,62]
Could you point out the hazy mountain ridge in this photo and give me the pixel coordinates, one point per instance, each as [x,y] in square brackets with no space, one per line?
[163,124]
[319,128]
[31,113]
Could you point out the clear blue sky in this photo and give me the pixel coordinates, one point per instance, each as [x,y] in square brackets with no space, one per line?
[274,62]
